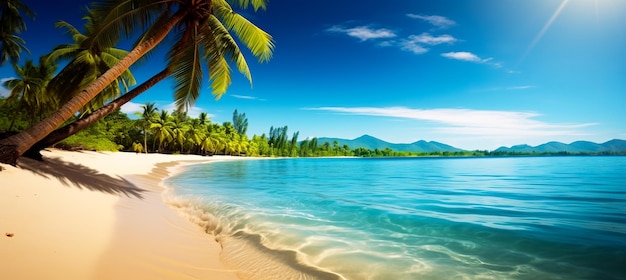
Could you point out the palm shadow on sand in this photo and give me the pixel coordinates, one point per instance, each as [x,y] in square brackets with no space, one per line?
[80,176]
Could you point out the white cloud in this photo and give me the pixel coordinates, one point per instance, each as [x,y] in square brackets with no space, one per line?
[193,112]
[468,56]
[465,56]
[415,43]
[131,108]
[437,21]
[413,47]
[483,123]
[364,33]
[4,92]
[247,97]
[428,39]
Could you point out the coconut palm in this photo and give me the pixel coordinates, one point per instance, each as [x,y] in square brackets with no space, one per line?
[28,91]
[204,27]
[89,119]
[203,119]
[194,134]
[89,59]
[149,110]
[179,128]
[12,23]
[162,129]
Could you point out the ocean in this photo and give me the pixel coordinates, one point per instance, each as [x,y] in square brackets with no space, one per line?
[413,218]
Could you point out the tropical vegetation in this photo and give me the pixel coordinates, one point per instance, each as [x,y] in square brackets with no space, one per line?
[202,32]
[78,105]
[154,130]
[11,25]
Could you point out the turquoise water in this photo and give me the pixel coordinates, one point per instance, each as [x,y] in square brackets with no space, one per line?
[417,218]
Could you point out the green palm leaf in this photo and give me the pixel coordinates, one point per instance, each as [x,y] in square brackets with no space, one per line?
[258,41]
[187,70]
[221,35]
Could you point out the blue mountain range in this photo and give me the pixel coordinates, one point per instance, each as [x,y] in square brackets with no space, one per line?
[372,143]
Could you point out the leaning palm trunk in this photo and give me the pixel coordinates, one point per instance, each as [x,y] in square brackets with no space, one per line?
[90,119]
[15,146]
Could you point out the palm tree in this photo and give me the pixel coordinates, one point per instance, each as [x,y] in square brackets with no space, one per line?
[12,23]
[28,92]
[194,135]
[162,129]
[14,146]
[179,128]
[149,110]
[203,119]
[201,26]
[90,119]
[89,58]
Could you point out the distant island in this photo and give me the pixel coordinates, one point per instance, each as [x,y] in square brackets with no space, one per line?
[421,147]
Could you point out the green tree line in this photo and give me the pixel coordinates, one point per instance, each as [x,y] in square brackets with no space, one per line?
[96,80]
[155,130]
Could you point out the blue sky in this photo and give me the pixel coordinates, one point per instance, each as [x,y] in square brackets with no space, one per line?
[474,74]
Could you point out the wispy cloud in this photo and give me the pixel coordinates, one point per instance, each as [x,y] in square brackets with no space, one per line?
[247,97]
[438,21]
[465,56]
[4,92]
[468,56]
[364,33]
[520,87]
[416,43]
[506,88]
[427,39]
[471,122]
[413,47]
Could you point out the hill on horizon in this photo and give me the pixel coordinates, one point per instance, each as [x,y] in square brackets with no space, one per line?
[422,146]
[372,143]
[615,145]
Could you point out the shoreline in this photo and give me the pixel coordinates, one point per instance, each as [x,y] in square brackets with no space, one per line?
[101,215]
[242,250]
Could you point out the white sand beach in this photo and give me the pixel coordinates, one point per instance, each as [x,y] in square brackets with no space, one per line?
[100,215]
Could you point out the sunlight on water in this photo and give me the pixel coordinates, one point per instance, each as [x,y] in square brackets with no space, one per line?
[426,218]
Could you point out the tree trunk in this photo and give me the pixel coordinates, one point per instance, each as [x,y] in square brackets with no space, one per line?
[13,147]
[71,129]
[145,140]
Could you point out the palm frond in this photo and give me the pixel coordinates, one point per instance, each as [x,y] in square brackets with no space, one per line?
[258,41]
[11,47]
[256,4]
[219,75]
[126,78]
[71,30]
[229,46]
[66,51]
[187,70]
[119,19]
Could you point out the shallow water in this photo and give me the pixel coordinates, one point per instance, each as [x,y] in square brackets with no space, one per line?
[415,218]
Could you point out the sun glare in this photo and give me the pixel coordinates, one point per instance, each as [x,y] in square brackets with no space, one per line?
[545,27]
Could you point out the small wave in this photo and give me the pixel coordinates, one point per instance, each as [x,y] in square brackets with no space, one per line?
[243,250]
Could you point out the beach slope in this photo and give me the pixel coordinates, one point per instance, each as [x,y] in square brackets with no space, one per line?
[99,215]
